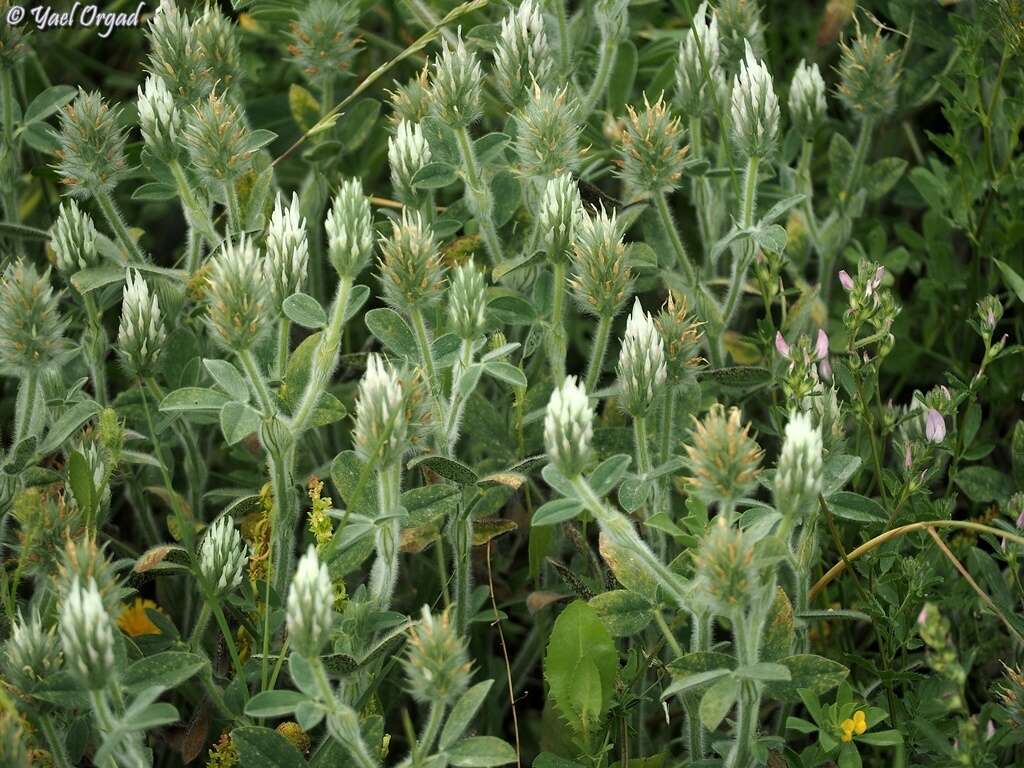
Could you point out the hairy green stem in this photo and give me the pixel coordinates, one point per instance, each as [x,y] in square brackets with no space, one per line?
[462,553]
[599,85]
[116,223]
[229,640]
[682,259]
[97,349]
[10,173]
[478,196]
[257,382]
[57,749]
[426,741]
[384,574]
[283,335]
[28,401]
[860,152]
[234,208]
[198,216]
[742,259]
[597,353]
[556,335]
[426,350]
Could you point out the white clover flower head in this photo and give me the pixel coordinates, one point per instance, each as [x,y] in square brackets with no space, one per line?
[141,334]
[381,429]
[408,151]
[807,99]
[236,300]
[755,108]
[456,85]
[561,211]
[287,250]
[349,229]
[569,427]
[411,270]
[86,635]
[32,653]
[798,480]
[160,120]
[522,55]
[642,371]
[467,307]
[222,556]
[698,67]
[74,239]
[310,605]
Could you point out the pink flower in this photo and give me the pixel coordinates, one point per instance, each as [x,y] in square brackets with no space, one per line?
[845,280]
[1020,522]
[922,617]
[821,345]
[934,426]
[908,457]
[781,345]
[990,730]
[877,279]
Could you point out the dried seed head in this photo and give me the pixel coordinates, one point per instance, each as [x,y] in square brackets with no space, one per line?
[287,250]
[522,55]
[411,101]
[467,302]
[869,76]
[159,119]
[32,653]
[641,369]
[141,335]
[73,239]
[91,158]
[807,99]
[739,25]
[217,141]
[601,280]
[408,151]
[381,430]
[547,135]
[87,636]
[726,570]
[222,556]
[652,159]
[31,329]
[698,68]
[218,46]
[349,229]
[176,56]
[755,109]
[681,334]
[798,478]
[309,610]
[456,85]
[411,270]
[437,667]
[561,211]
[323,39]
[237,297]
[724,459]
[568,428]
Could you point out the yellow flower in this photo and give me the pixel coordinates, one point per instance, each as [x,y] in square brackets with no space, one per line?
[135,621]
[855,725]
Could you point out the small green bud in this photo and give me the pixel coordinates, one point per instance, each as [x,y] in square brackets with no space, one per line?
[217,141]
[381,428]
[739,25]
[652,159]
[310,606]
[73,239]
[697,71]
[287,251]
[798,479]
[641,369]
[560,214]
[237,300]
[724,459]
[141,335]
[91,157]
[218,46]
[411,271]
[726,570]
[807,99]
[569,428]
[681,336]
[601,280]
[32,653]
[467,305]
[31,329]
[755,109]
[547,135]
[176,56]
[869,76]
[87,635]
[14,46]
[411,101]
[349,229]
[437,667]
[323,39]
[456,85]
[522,55]
[222,556]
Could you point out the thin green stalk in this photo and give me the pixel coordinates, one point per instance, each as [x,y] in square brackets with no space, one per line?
[198,216]
[56,746]
[283,336]
[700,194]
[458,400]
[10,193]
[116,223]
[256,381]
[665,434]
[599,85]
[860,152]
[564,43]
[325,358]
[597,352]
[556,336]
[426,351]
[97,349]
[666,632]
[742,260]
[201,621]
[682,259]
[23,422]
[384,574]
[462,553]
[426,741]
[479,196]
[235,223]
[229,639]
[643,449]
